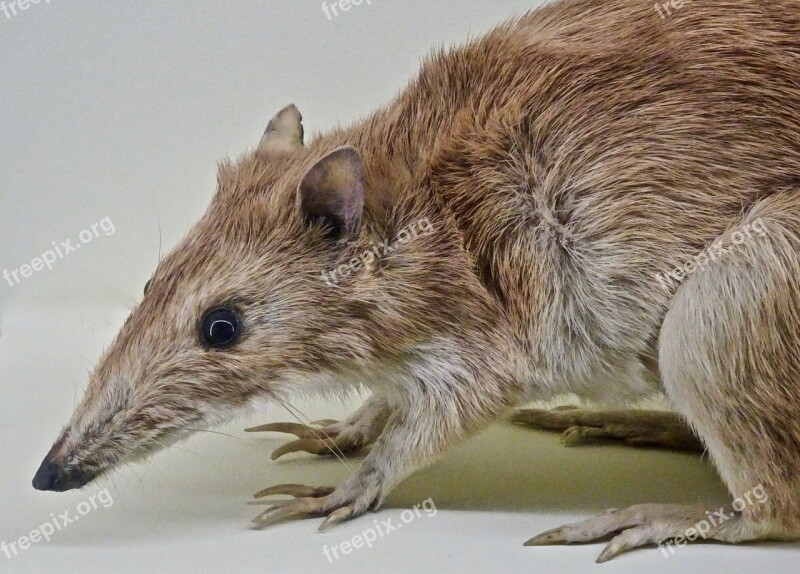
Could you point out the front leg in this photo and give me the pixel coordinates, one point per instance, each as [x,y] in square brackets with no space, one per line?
[433,406]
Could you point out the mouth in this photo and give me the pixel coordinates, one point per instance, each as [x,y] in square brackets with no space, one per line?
[54,478]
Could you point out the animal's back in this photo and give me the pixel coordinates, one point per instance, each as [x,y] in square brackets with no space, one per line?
[596,145]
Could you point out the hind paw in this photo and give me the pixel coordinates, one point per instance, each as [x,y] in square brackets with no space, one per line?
[647,524]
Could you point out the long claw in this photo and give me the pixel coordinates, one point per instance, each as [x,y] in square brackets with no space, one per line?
[336,517]
[273,514]
[309,445]
[548,538]
[325,422]
[281,510]
[609,552]
[627,540]
[612,549]
[297,429]
[295,490]
[567,534]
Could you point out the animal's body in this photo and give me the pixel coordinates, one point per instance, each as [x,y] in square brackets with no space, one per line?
[564,165]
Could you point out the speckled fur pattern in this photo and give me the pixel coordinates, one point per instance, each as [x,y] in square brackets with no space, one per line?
[563,160]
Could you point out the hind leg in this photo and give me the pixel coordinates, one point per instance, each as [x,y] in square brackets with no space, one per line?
[730,362]
[634,427]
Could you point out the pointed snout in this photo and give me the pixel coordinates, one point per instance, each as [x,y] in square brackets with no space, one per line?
[53,477]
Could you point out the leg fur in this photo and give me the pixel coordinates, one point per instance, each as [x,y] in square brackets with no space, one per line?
[730,362]
[434,402]
[730,359]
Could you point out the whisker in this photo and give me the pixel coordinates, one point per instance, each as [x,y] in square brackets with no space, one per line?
[216,432]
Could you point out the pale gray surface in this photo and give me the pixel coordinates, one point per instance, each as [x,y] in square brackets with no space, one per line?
[120,110]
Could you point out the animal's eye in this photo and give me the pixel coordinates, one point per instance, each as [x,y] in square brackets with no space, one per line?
[220,328]
[147,286]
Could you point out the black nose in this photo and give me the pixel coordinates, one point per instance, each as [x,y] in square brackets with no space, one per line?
[47,477]
[53,477]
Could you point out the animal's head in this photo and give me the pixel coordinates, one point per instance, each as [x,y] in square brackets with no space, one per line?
[240,311]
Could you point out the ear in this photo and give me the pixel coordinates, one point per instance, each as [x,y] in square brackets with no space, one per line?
[332,191]
[284,132]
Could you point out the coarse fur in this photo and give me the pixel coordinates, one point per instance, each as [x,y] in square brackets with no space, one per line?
[563,162]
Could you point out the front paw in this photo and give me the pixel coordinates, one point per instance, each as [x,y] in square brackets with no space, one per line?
[361,492]
[327,437]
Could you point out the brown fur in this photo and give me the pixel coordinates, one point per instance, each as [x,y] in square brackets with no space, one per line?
[563,160]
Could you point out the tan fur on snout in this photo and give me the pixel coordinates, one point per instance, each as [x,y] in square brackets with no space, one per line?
[562,163]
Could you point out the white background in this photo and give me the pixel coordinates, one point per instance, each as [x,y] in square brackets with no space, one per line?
[121,110]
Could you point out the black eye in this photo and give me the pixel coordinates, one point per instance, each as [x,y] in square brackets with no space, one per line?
[220,328]
[147,286]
